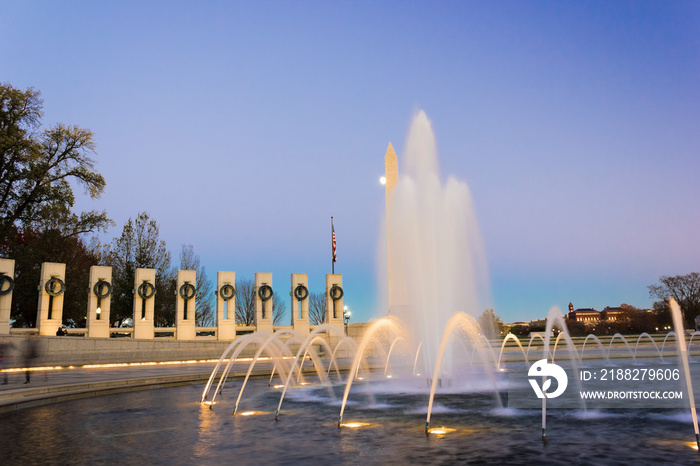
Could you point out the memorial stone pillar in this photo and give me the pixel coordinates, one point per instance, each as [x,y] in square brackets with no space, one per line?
[52,285]
[300,303]
[186,305]
[263,302]
[226,305]
[99,301]
[144,297]
[7,284]
[334,300]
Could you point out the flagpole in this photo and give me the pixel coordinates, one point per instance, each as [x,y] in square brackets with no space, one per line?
[332,247]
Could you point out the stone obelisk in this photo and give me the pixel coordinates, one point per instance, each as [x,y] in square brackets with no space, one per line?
[391,174]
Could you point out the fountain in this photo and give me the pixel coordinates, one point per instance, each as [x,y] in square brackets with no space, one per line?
[435,255]
[436,284]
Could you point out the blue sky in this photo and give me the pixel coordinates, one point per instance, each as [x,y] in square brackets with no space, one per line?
[241,127]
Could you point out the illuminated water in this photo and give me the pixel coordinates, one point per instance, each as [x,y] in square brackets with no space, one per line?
[436,257]
[169,426]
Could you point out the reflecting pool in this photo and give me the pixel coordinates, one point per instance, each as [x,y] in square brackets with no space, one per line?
[171,426]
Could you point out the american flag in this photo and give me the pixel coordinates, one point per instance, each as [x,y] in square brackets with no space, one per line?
[335,255]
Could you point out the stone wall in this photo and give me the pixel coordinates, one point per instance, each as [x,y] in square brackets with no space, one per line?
[79,351]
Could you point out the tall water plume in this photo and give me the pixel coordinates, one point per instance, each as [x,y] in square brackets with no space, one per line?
[435,254]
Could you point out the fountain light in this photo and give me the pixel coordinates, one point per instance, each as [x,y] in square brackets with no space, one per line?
[252,413]
[357,425]
[278,386]
[441,431]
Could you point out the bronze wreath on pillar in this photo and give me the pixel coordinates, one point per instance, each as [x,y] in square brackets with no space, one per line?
[227,292]
[102,289]
[301,292]
[146,290]
[50,286]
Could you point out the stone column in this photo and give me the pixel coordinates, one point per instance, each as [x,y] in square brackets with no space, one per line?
[186,305]
[99,301]
[263,302]
[7,284]
[52,285]
[144,297]
[300,302]
[334,300]
[226,305]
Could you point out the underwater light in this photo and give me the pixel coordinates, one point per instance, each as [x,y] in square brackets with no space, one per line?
[441,430]
[356,425]
[252,413]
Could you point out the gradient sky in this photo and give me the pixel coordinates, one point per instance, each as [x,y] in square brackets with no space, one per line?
[241,127]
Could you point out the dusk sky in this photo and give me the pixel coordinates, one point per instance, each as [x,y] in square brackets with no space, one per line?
[242,127]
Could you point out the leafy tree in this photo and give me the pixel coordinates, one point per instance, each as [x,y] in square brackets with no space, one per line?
[685,289]
[637,320]
[317,308]
[37,168]
[30,249]
[662,315]
[521,330]
[204,312]
[491,324]
[140,247]
[245,304]
[575,328]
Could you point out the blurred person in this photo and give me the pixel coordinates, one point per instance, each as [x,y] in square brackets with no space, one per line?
[31,352]
[5,348]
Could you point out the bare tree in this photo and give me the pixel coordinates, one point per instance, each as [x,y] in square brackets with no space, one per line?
[685,289]
[317,308]
[245,301]
[245,304]
[278,309]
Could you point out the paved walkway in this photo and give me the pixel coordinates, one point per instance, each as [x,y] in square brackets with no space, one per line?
[49,385]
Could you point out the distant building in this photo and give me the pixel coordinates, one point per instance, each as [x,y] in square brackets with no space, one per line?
[587,315]
[612,314]
[519,324]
